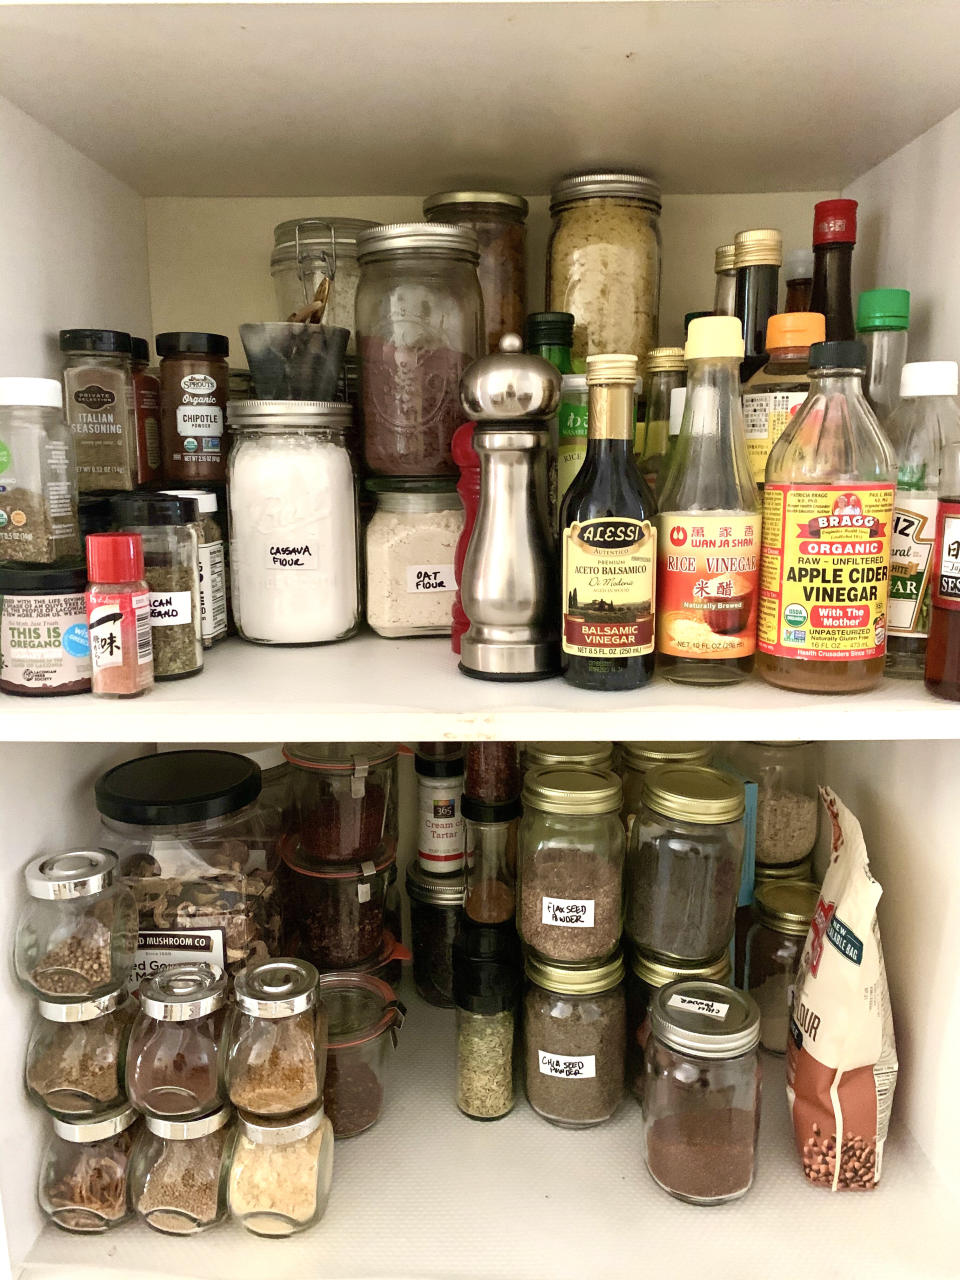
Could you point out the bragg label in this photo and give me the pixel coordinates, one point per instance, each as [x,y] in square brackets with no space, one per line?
[707,606]
[826,571]
[609,588]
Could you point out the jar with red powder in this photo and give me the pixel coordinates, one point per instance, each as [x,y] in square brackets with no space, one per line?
[335,910]
[342,804]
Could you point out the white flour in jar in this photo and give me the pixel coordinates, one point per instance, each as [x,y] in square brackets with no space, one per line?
[410,579]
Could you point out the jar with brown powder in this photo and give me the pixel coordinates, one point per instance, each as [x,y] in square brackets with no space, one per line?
[194,389]
[178,1172]
[75,1058]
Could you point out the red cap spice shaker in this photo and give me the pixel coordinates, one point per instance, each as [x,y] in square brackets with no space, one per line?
[118,616]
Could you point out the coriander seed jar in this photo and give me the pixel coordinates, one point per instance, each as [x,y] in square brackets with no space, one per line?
[85,1169]
[307,251]
[281,1172]
[179,1170]
[77,1053]
[342,799]
[364,1021]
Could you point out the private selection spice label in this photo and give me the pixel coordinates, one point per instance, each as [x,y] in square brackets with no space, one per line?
[825,571]
[609,587]
[709,564]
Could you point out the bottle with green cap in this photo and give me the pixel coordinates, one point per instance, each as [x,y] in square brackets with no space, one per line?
[550,335]
[883,317]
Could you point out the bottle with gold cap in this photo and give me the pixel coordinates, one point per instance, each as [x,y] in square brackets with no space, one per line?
[666,370]
[709,522]
[757,257]
[609,543]
[725,290]
[775,392]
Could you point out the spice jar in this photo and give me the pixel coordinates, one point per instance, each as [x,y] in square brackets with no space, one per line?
[337,909]
[419,324]
[498,219]
[570,866]
[365,1018]
[118,616]
[568,755]
[603,261]
[637,758]
[684,861]
[574,1034]
[194,388]
[276,1039]
[486,986]
[440,829]
[38,473]
[307,251]
[280,1173]
[75,1058]
[84,1171]
[213,572]
[146,401]
[76,935]
[491,859]
[492,774]
[293,522]
[410,544]
[44,642]
[701,1095]
[175,1055]
[200,854]
[178,1172]
[436,910]
[342,803]
[99,406]
[783,912]
[787,774]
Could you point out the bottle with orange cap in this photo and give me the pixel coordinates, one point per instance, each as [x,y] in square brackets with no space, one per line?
[774,393]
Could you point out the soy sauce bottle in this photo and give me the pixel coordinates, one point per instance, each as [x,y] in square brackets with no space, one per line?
[942,675]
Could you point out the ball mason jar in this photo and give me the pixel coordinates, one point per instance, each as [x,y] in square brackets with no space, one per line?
[637,758]
[783,912]
[788,801]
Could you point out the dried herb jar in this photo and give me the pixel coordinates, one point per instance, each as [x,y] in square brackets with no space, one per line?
[570,864]
[85,1169]
[783,912]
[364,1018]
[77,933]
[336,910]
[342,799]
[436,911]
[788,805]
[684,862]
[281,1172]
[175,1057]
[44,639]
[638,758]
[276,1039]
[574,1034]
[701,1095]
[76,1056]
[179,1171]
[486,988]
[38,497]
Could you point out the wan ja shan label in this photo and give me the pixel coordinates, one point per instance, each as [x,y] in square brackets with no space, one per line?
[609,587]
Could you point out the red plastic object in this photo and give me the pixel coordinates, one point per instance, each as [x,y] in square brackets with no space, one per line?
[468,487]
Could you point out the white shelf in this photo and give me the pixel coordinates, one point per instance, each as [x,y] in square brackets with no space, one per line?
[357,98]
[431,1195]
[369,688]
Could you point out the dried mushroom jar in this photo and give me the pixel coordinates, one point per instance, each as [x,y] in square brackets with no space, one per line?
[178,1173]
[701,1095]
[364,1018]
[574,1033]
[276,1039]
[570,864]
[684,862]
[77,933]
[280,1172]
[603,261]
[786,774]
[342,799]
[76,1057]
[83,1174]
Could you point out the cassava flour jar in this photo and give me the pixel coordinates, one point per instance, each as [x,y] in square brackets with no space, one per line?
[293,522]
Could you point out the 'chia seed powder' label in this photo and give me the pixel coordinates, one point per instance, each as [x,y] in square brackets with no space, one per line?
[558,1064]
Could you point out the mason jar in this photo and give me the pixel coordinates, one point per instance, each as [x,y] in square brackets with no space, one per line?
[419,324]
[364,1021]
[567,755]
[637,758]
[308,250]
[84,1171]
[342,799]
[77,1052]
[281,1172]
[178,1172]
[783,911]
[570,864]
[788,800]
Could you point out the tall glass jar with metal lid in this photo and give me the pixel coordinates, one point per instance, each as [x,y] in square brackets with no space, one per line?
[603,261]
[684,862]
[567,755]
[638,758]
[570,864]
[281,1172]
[39,473]
[179,1171]
[84,1172]
[276,1039]
[788,806]
[701,1094]
[309,250]
[77,1053]
[574,1033]
[783,911]
[419,324]
[342,799]
[498,219]
[77,933]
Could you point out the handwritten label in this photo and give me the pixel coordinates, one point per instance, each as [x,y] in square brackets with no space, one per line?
[709,1008]
[575,914]
[422,578]
[283,555]
[558,1064]
[170,608]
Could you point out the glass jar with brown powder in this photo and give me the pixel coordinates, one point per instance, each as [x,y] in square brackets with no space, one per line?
[178,1172]
[194,389]
[491,859]
[75,1058]
[364,1020]
[335,908]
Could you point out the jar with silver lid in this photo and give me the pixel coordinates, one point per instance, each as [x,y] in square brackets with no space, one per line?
[276,1039]
[637,758]
[77,933]
[783,910]
[701,1094]
[419,323]
[174,1058]
[84,1171]
[307,251]
[281,1172]
[77,1051]
[179,1170]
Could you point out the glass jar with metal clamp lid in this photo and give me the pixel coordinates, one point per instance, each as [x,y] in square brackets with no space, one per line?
[307,251]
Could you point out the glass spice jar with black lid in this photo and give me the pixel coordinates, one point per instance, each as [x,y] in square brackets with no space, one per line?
[99,406]
[491,859]
[436,911]
[487,971]
[342,804]
[336,908]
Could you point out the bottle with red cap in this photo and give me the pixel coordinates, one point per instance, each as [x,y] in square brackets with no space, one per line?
[834,235]
[118,616]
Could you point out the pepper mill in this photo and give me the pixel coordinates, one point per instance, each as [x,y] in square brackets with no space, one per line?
[510,586]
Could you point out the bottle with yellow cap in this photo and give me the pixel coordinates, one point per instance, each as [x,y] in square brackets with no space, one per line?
[757,257]
[709,523]
[609,543]
[774,393]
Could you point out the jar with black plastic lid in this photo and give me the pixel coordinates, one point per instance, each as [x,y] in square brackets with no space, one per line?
[487,973]
[436,911]
[194,389]
[491,859]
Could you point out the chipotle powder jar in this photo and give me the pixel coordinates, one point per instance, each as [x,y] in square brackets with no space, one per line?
[194,388]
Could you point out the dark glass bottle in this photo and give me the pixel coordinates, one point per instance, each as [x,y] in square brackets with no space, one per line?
[609,543]
[834,235]
[550,335]
[798,273]
[942,674]
[758,255]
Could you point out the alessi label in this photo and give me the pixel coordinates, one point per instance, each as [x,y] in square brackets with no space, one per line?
[911,562]
[946,580]
[826,571]
[708,570]
[609,587]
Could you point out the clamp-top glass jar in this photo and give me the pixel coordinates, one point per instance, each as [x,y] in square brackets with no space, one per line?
[77,1051]
[84,1171]
[788,804]
[308,250]
[76,935]
[280,1172]
[365,1018]
[342,799]
[419,324]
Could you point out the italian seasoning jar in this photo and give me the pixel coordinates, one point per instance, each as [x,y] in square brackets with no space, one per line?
[436,910]
[574,1035]
[783,912]
[281,1172]
[570,865]
[75,1058]
[84,1171]
[786,774]
[99,406]
[486,987]
[178,1174]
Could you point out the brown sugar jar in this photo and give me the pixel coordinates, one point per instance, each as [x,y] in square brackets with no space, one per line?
[194,388]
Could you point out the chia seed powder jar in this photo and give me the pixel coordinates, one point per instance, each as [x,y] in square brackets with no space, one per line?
[336,910]
[436,909]
[44,643]
[342,800]
[364,1020]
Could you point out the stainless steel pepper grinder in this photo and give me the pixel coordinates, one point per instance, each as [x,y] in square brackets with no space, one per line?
[510,586]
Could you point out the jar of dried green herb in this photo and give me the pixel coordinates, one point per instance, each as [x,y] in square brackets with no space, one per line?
[486,986]
[214,585]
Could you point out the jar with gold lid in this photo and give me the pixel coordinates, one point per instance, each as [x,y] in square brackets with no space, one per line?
[568,755]
[783,911]
[664,372]
[684,862]
[638,758]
